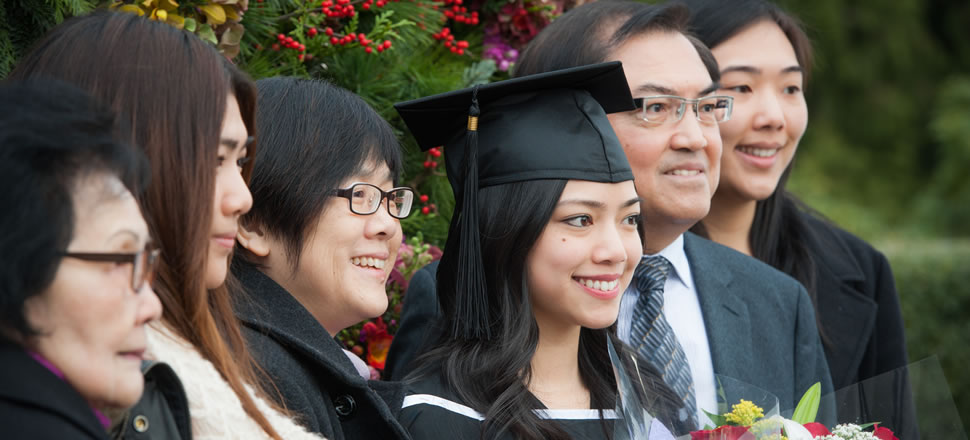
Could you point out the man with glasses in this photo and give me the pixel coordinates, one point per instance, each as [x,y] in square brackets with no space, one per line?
[695,308]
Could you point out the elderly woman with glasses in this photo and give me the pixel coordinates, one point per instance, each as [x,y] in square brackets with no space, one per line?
[316,250]
[75,294]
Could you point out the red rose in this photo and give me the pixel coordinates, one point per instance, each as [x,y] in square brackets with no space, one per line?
[884,433]
[722,433]
[816,429]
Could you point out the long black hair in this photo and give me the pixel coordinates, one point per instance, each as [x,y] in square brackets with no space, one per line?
[492,375]
[779,234]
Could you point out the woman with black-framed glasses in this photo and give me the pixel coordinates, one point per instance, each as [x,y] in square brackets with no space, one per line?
[316,251]
[75,295]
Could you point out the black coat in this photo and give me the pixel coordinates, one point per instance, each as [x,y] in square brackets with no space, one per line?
[857,305]
[419,315]
[36,405]
[315,379]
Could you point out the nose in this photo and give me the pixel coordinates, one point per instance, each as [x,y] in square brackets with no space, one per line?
[688,133]
[149,307]
[235,198]
[381,224]
[611,247]
[770,115]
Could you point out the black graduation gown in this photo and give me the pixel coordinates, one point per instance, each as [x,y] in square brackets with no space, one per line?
[432,411]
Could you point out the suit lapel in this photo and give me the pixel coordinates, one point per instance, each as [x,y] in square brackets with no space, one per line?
[725,314]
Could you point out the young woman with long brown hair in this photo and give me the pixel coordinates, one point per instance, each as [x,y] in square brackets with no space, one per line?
[193,114]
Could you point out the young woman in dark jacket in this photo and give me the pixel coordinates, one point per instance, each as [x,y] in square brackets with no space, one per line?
[315,252]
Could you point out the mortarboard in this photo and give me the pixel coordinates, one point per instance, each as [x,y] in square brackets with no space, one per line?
[551,125]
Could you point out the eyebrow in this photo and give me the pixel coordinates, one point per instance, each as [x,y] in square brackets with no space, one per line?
[232,144]
[756,71]
[663,90]
[596,204]
[129,232]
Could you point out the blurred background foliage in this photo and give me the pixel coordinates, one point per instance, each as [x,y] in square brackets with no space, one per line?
[885,155]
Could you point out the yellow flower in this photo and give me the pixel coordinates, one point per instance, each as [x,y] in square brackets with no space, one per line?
[744,413]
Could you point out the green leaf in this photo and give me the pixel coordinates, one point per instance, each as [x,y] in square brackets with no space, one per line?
[807,407]
[206,33]
[190,24]
[717,419]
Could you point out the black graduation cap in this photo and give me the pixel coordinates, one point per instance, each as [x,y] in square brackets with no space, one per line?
[551,125]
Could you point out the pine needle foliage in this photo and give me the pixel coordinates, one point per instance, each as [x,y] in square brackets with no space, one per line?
[24,21]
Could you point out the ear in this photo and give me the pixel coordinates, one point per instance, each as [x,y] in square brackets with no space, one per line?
[253,239]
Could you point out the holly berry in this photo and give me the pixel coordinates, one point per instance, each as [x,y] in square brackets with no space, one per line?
[423,198]
[425,210]
[312,32]
[328,31]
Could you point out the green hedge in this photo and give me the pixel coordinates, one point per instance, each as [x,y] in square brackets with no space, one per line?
[933,279]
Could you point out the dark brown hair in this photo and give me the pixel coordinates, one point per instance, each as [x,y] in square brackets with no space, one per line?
[171,88]
[590,33]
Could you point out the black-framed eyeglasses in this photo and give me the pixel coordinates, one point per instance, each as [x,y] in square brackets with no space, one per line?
[143,263]
[365,199]
[662,109]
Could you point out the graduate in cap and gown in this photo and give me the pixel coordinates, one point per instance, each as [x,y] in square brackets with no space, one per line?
[543,241]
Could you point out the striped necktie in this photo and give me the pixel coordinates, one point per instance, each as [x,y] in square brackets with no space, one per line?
[652,336]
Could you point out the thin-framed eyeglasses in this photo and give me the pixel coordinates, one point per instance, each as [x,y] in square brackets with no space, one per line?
[662,109]
[143,263]
[365,199]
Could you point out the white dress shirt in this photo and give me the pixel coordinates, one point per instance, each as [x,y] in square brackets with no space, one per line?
[683,312]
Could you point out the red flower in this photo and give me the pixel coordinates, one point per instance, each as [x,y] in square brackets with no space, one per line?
[884,433]
[816,429]
[378,342]
[723,433]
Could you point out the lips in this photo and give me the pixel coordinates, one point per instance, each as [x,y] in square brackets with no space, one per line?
[759,154]
[685,170]
[374,264]
[138,355]
[226,240]
[600,286]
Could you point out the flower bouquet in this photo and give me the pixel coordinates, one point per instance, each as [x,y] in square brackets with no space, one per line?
[908,403]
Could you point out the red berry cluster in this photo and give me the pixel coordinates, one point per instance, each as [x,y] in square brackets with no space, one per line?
[289,43]
[360,38]
[445,35]
[427,208]
[460,13]
[367,4]
[431,158]
[338,9]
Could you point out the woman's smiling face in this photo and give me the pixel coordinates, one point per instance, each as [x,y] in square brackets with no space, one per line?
[760,70]
[585,257]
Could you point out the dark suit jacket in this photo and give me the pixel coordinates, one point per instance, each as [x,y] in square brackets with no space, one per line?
[858,309]
[760,322]
[313,375]
[36,405]
[858,306]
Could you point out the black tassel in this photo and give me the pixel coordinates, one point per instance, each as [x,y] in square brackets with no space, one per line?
[471,302]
